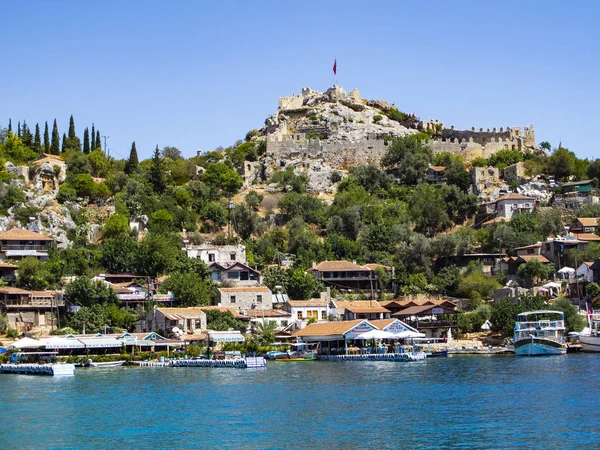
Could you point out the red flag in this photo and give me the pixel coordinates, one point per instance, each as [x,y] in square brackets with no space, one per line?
[335,66]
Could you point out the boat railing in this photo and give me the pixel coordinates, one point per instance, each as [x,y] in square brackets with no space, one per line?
[540,324]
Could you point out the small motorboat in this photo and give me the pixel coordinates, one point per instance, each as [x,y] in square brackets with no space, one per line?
[90,363]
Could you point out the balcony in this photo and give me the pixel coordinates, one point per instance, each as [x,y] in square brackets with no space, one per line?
[40,248]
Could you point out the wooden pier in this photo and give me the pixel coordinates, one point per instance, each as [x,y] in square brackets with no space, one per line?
[240,363]
[54,370]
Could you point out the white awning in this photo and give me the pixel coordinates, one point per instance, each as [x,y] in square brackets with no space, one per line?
[101,342]
[27,343]
[226,336]
[376,334]
[63,343]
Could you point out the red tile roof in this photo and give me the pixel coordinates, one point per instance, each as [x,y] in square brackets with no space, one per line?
[20,234]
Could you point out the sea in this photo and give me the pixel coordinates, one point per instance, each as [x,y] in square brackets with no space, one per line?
[459,402]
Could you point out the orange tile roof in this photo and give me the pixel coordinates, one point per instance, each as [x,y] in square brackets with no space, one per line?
[438,168]
[513,196]
[329,266]
[375,266]
[230,309]
[272,313]
[20,234]
[587,236]
[528,258]
[361,306]
[308,303]
[382,323]
[191,311]
[588,221]
[4,265]
[13,290]
[245,289]
[327,328]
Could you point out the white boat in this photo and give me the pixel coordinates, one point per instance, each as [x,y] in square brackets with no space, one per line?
[540,333]
[91,363]
[591,342]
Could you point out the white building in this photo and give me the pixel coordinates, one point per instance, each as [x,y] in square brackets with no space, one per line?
[222,254]
[511,204]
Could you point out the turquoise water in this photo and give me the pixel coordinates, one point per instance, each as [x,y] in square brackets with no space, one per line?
[456,402]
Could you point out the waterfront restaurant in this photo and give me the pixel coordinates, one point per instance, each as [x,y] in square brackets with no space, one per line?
[435,321]
[336,338]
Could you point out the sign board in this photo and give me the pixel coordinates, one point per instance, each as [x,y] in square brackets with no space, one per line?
[163,297]
[226,337]
[360,328]
[397,327]
[21,253]
[437,311]
[131,296]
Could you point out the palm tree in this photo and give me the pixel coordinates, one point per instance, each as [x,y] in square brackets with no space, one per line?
[266,331]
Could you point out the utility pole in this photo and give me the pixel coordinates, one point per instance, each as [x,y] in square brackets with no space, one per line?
[105,149]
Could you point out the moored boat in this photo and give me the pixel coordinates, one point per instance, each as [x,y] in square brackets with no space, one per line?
[91,363]
[304,352]
[591,342]
[539,333]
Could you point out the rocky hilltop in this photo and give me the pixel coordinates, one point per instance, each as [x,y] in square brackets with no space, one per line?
[324,132]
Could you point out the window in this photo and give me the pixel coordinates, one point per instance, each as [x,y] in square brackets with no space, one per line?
[232,299]
[215,276]
[211,257]
[299,315]
[530,251]
[234,275]
[284,323]
[323,315]
[244,276]
[259,299]
[198,324]
[232,256]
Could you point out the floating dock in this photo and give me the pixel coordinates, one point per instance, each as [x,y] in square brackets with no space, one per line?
[54,370]
[243,363]
[401,357]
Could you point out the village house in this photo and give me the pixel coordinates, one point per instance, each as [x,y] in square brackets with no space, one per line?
[174,321]
[303,311]
[350,276]
[577,193]
[510,264]
[18,243]
[584,272]
[236,273]
[527,250]
[282,319]
[360,309]
[30,310]
[210,253]
[557,249]
[436,321]
[511,204]
[246,298]
[405,301]
[584,225]
[514,172]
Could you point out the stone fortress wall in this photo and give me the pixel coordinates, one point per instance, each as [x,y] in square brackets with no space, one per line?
[285,144]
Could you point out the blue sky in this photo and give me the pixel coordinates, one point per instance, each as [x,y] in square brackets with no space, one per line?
[196,75]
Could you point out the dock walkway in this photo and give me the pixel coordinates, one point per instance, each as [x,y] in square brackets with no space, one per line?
[55,370]
[402,357]
[243,363]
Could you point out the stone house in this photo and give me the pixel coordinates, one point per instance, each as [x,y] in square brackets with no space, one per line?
[514,172]
[246,298]
[186,320]
[557,249]
[533,249]
[222,254]
[578,193]
[30,310]
[18,243]
[236,273]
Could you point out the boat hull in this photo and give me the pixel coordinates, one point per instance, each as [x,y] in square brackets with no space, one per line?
[590,343]
[107,364]
[539,347]
[295,359]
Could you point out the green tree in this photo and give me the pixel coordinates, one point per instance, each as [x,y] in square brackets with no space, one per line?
[573,320]
[245,221]
[93,137]
[121,255]
[132,162]
[302,285]
[189,290]
[171,153]
[266,331]
[98,141]
[534,270]
[46,139]
[37,140]
[14,150]
[55,145]
[551,223]
[593,170]
[86,141]
[33,274]
[85,292]
[562,163]
[428,209]
[116,225]
[408,158]
[223,178]
[26,136]
[161,221]
[10,196]
[157,174]
[223,321]
[476,285]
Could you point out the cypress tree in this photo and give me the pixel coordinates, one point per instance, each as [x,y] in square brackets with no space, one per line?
[55,146]
[157,176]
[86,141]
[132,162]
[93,138]
[46,139]
[37,140]
[98,141]
[64,143]
[19,128]
[26,135]
[10,125]
[71,128]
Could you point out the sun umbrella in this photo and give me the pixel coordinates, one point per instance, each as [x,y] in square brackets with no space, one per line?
[27,343]
[376,334]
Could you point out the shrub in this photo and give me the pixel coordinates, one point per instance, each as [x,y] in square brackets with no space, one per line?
[377,118]
[336,177]
[312,117]
[11,333]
